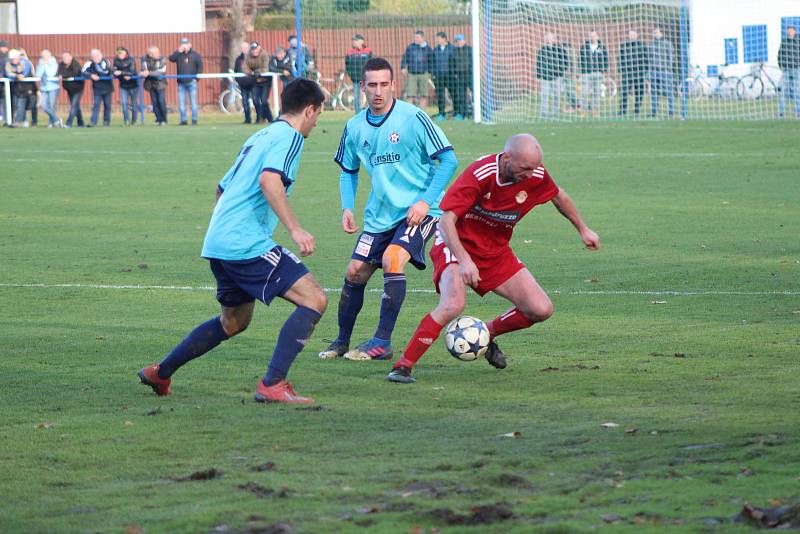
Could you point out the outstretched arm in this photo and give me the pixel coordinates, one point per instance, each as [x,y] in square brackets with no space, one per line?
[274,191]
[564,204]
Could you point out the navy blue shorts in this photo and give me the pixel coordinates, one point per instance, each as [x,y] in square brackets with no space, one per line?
[371,245]
[264,278]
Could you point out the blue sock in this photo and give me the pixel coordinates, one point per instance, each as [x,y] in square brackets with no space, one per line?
[201,340]
[394,292]
[350,303]
[294,334]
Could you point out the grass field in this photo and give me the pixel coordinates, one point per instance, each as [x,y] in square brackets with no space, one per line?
[684,329]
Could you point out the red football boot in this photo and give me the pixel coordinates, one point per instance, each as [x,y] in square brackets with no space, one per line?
[280,392]
[149,377]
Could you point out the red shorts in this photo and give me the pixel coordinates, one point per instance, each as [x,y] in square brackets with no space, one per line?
[493,272]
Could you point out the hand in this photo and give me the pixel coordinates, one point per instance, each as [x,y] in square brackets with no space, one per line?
[117,72]
[469,273]
[417,213]
[349,221]
[95,77]
[126,77]
[590,239]
[304,240]
[144,73]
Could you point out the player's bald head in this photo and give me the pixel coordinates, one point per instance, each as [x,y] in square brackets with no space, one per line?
[524,148]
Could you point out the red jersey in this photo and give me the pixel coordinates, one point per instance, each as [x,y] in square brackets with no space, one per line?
[487,210]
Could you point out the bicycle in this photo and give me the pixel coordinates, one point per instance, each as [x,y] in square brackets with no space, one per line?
[756,84]
[722,86]
[230,100]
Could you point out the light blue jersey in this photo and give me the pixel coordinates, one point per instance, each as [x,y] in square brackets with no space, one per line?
[242,223]
[398,154]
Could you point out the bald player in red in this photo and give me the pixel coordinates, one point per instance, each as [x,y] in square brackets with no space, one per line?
[481,209]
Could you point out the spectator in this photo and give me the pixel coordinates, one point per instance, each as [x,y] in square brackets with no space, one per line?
[189,63]
[633,67]
[294,52]
[354,63]
[552,62]
[18,68]
[125,72]
[789,62]
[3,61]
[661,58]
[245,82]
[593,60]
[154,67]
[32,102]
[462,76]
[47,72]
[415,65]
[281,64]
[256,65]
[441,68]
[70,68]
[99,70]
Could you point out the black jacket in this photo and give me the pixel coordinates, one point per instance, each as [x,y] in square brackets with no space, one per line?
[157,68]
[102,69]
[552,62]
[596,61]
[127,67]
[355,60]
[279,65]
[246,82]
[462,60]
[634,59]
[789,53]
[188,63]
[73,70]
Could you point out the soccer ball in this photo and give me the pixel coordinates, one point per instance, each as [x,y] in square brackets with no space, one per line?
[466,338]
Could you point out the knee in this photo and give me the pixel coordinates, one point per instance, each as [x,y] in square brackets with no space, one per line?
[357,274]
[319,302]
[394,259]
[234,325]
[539,311]
[449,310]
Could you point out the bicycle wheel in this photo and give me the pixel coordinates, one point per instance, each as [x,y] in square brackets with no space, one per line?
[750,87]
[344,99]
[608,88]
[230,101]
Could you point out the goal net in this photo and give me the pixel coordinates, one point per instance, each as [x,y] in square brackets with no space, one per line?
[563,60]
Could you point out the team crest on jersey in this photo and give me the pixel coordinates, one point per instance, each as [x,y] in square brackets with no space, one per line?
[394,138]
[521,197]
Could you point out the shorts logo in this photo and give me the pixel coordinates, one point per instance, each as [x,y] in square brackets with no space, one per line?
[394,138]
[364,245]
[521,197]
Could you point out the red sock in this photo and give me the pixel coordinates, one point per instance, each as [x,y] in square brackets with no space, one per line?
[424,336]
[508,321]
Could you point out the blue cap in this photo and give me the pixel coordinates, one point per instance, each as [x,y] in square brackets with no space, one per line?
[459,37]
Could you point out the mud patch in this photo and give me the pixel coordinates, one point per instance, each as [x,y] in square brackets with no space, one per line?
[477,515]
[208,474]
[262,491]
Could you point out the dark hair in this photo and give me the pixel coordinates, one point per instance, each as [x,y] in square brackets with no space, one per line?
[420,33]
[299,94]
[442,35]
[377,63]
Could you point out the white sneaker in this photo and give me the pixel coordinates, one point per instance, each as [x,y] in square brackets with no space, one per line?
[26,124]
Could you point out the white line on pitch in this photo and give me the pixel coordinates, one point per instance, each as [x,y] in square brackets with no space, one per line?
[610,292]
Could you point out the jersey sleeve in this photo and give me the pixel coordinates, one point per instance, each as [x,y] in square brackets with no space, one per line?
[433,138]
[282,157]
[346,155]
[547,188]
[463,194]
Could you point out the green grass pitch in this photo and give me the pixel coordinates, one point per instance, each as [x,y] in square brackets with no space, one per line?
[684,330]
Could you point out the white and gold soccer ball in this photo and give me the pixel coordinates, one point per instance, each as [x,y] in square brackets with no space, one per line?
[466,338]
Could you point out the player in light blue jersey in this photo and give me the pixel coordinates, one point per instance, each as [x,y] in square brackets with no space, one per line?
[246,262]
[399,146]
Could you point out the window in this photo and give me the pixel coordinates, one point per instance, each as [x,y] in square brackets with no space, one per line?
[8,16]
[754,40]
[731,51]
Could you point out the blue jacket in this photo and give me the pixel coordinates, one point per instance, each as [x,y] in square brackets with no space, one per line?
[442,60]
[48,75]
[417,59]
